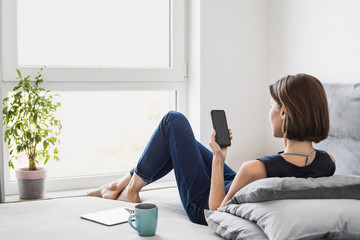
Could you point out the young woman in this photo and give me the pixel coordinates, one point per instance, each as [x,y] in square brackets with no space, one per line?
[298,113]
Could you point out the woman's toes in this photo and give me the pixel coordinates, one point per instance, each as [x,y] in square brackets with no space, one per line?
[95,193]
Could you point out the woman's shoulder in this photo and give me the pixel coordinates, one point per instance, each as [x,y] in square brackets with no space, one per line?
[253,169]
[270,157]
[324,153]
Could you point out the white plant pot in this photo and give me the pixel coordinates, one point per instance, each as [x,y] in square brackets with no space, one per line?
[31,184]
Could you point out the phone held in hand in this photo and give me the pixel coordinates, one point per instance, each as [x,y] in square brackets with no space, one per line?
[220,125]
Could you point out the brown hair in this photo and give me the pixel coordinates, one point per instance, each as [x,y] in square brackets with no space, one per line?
[303,99]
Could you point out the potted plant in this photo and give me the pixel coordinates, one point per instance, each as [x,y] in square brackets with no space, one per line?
[31,129]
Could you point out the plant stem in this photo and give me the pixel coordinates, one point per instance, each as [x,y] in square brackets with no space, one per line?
[32,167]
[32,163]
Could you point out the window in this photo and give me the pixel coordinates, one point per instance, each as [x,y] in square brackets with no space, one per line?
[95,40]
[104,134]
[117,64]
[105,33]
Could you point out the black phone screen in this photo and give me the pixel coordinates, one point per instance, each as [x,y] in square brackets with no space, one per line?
[220,125]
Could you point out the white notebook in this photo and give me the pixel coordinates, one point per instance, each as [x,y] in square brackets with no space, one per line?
[109,217]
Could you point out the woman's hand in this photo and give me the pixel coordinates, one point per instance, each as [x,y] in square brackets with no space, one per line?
[216,148]
[217,188]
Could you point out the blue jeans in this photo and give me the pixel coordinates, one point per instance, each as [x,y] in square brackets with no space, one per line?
[173,146]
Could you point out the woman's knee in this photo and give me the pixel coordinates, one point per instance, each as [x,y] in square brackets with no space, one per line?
[175,118]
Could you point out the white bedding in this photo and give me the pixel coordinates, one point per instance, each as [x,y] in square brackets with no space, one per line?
[60,219]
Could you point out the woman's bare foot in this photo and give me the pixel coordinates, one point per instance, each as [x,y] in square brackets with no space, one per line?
[131,191]
[111,190]
[129,196]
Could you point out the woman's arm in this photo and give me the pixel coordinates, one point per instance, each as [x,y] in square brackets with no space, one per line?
[217,188]
[249,172]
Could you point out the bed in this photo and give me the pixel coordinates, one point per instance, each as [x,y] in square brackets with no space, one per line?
[312,208]
[59,219]
[256,212]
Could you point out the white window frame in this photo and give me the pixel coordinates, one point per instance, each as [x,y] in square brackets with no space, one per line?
[87,79]
[85,74]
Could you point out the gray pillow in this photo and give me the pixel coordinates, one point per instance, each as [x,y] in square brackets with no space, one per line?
[302,219]
[232,227]
[292,208]
[267,189]
[344,136]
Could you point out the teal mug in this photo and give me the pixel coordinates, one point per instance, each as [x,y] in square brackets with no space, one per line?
[146,216]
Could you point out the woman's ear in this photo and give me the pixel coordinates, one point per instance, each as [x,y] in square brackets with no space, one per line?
[282,113]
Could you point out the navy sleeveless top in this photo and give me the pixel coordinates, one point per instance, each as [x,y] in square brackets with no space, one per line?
[277,166]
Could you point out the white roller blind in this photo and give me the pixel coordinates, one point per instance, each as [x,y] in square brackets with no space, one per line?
[94,33]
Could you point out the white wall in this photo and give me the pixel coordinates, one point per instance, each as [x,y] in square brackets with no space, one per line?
[319,37]
[194,70]
[238,47]
[228,68]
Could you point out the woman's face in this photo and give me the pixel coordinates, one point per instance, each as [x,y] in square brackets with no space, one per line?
[276,118]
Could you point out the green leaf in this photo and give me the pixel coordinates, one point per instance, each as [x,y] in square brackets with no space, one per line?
[28,134]
[5,100]
[18,94]
[52,140]
[56,151]
[11,164]
[45,144]
[47,159]
[37,138]
[18,72]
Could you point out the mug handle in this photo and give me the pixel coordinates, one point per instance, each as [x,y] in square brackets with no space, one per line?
[130,222]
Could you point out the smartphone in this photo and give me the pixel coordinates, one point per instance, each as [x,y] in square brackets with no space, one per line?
[218,119]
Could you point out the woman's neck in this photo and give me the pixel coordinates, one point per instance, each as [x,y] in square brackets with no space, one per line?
[297,146]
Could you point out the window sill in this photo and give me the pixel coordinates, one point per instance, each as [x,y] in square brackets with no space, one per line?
[83,192]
